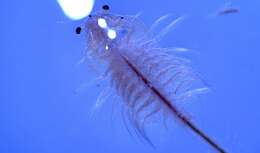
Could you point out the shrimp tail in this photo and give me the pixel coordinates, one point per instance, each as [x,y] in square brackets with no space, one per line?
[175,111]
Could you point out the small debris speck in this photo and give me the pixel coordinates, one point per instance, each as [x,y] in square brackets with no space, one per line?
[78,30]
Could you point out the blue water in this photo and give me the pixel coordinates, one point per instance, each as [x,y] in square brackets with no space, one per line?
[40,113]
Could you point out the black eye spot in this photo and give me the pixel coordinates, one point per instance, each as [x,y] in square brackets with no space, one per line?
[78,30]
[90,16]
[121,17]
[105,7]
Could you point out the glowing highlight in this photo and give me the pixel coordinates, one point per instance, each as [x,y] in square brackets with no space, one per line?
[102,23]
[111,34]
[76,9]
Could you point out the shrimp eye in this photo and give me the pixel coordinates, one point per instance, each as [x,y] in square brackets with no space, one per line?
[121,17]
[78,30]
[90,16]
[105,7]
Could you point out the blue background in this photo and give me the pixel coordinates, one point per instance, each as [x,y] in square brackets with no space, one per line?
[40,113]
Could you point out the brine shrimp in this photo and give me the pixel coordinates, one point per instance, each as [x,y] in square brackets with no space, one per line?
[149,80]
[227,9]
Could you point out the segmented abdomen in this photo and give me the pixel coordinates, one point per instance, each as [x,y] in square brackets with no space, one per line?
[135,73]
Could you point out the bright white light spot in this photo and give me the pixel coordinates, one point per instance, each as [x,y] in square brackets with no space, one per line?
[106,47]
[102,23]
[76,9]
[111,34]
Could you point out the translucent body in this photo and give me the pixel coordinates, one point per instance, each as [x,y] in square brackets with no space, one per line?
[149,80]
